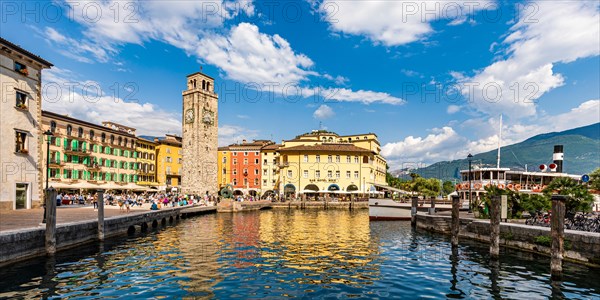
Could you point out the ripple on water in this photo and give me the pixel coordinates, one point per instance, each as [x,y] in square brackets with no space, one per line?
[297,254]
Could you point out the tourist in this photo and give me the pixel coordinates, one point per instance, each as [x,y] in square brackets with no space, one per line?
[58,199]
[154,206]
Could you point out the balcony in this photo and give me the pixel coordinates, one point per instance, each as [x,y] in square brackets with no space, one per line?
[56,163]
[93,167]
[76,151]
[284,164]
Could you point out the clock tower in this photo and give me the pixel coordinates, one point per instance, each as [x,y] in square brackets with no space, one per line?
[200,136]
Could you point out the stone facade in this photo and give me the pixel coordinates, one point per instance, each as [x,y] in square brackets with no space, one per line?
[20,130]
[200,136]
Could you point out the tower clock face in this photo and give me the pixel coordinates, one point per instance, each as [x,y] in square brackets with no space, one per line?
[208,117]
[189,116]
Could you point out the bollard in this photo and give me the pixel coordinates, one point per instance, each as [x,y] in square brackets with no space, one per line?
[455,221]
[100,214]
[495,227]
[50,221]
[413,211]
[432,208]
[557,230]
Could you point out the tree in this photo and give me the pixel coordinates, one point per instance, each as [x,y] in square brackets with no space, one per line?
[578,196]
[426,187]
[594,183]
[447,187]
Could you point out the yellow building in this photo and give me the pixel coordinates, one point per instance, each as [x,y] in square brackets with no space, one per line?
[146,162]
[168,162]
[324,161]
[224,174]
[269,168]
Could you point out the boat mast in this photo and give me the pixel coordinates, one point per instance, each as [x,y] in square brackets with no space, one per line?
[499,143]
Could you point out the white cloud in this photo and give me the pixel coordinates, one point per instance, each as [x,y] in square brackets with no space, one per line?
[559,32]
[230,134]
[452,109]
[347,95]
[93,105]
[323,112]
[246,55]
[77,50]
[448,144]
[396,22]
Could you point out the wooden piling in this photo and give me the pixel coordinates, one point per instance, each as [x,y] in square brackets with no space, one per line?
[495,227]
[413,211]
[557,230]
[50,198]
[455,220]
[432,207]
[351,202]
[100,194]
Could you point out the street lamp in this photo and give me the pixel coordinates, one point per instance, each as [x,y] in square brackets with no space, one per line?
[48,133]
[470,159]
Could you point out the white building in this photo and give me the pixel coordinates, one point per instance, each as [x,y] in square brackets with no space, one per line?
[20,129]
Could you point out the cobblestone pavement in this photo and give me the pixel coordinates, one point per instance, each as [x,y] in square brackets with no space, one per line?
[32,218]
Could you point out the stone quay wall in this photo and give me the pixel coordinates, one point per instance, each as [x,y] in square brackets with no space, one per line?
[22,244]
[583,247]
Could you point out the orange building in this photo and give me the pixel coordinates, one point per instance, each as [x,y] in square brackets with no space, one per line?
[245,166]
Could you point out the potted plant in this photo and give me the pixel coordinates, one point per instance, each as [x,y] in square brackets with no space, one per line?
[24,71]
[21,106]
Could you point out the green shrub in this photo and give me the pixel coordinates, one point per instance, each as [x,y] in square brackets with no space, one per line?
[543,240]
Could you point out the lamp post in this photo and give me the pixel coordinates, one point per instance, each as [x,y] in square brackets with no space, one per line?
[470,159]
[48,133]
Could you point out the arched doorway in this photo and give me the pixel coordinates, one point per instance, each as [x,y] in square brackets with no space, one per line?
[311,187]
[333,187]
[238,193]
[352,188]
[252,193]
[289,190]
[268,193]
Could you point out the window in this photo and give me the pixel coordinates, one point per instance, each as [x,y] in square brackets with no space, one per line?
[224,160]
[290,174]
[255,181]
[246,171]
[21,69]
[329,174]
[120,141]
[305,173]
[80,132]
[337,174]
[264,182]
[112,139]
[234,171]
[179,160]
[69,129]
[365,159]
[355,174]
[53,126]
[91,135]
[318,158]
[224,171]
[169,150]
[245,153]
[329,158]
[337,158]
[317,174]
[264,161]
[348,173]
[21,142]
[234,153]
[255,171]
[168,159]
[234,182]
[274,161]
[103,137]
[356,159]
[235,161]
[256,161]
[256,153]
[305,158]
[21,100]
[265,172]
[168,170]
[273,181]
[245,161]
[348,159]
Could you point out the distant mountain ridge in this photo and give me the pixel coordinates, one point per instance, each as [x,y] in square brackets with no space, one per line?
[581,154]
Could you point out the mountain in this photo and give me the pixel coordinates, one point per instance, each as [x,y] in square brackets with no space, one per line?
[581,154]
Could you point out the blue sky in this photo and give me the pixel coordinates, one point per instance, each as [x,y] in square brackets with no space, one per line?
[430,78]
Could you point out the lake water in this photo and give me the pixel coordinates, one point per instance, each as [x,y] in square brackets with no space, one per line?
[299,254]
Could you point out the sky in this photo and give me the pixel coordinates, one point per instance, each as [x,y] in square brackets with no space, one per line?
[431,78]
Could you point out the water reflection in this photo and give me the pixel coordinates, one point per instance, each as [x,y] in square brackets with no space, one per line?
[276,254]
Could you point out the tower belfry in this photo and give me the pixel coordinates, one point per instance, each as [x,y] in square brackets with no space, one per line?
[200,135]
